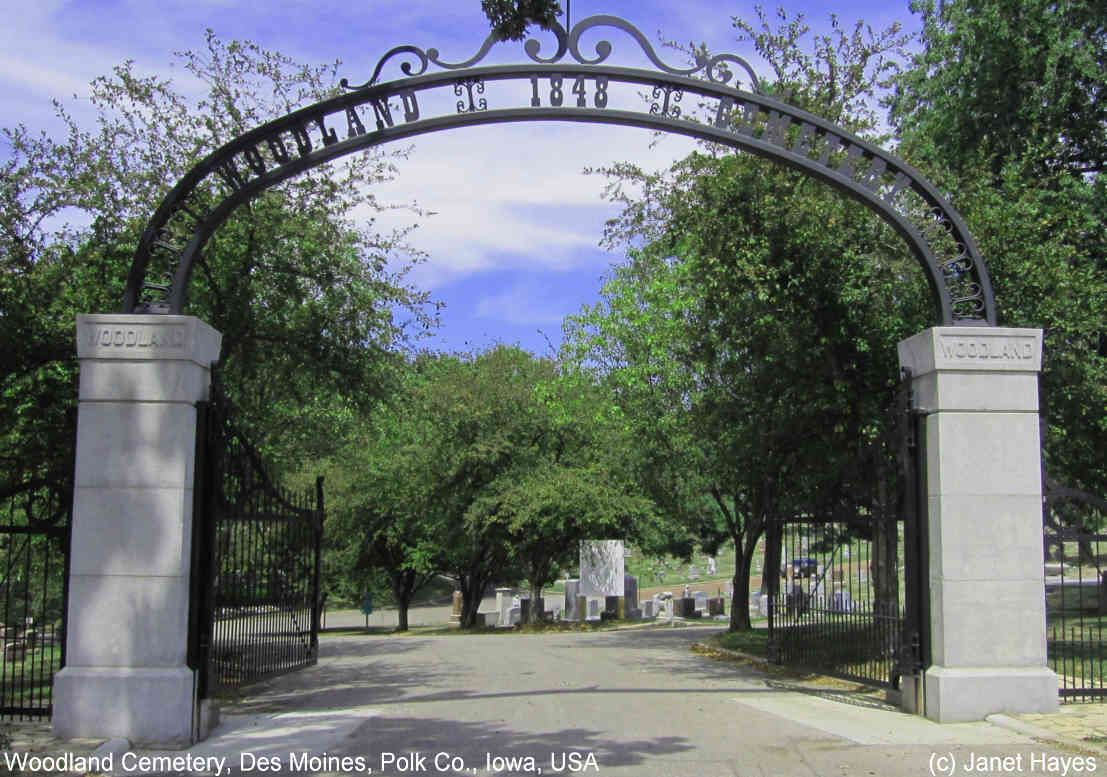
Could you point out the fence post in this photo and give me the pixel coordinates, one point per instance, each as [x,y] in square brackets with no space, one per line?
[126,672]
[317,602]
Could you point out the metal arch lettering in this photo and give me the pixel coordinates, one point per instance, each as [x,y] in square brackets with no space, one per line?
[386,112]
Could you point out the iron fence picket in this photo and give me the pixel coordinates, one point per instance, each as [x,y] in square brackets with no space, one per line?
[1075,588]
[251,626]
[34,542]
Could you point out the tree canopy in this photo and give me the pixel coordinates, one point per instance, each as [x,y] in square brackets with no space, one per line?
[1003,107]
[752,339]
[309,302]
[999,80]
[489,467]
[510,18]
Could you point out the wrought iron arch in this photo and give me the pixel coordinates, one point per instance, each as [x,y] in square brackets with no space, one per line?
[568,85]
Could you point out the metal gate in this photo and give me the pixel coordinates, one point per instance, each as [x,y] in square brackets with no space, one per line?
[256,562]
[850,601]
[1075,545]
[34,563]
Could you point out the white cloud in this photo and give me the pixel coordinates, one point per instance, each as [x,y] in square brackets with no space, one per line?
[513,196]
[42,80]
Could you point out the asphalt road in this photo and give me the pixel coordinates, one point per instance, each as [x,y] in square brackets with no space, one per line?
[630,703]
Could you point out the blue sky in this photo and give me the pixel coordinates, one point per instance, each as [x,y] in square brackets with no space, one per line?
[513,245]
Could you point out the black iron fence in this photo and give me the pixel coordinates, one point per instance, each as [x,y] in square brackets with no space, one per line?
[1075,524]
[257,556]
[840,605]
[34,547]
[850,598]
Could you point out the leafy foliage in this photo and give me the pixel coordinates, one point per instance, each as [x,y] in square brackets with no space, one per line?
[1003,107]
[489,466]
[510,18]
[1005,79]
[752,340]
[303,295]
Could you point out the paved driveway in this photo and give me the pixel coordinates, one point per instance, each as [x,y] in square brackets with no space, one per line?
[627,703]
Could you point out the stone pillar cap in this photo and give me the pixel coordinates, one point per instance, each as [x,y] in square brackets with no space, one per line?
[972,349]
[146,337]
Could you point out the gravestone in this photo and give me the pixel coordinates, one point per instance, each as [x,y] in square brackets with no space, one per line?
[715,606]
[630,589]
[685,607]
[693,572]
[611,605]
[602,567]
[839,602]
[504,597]
[593,609]
[763,606]
[513,616]
[524,609]
[630,598]
[646,607]
[572,591]
[700,599]
[455,614]
[818,592]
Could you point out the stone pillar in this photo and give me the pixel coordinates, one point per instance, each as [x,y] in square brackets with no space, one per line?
[979,389]
[126,673]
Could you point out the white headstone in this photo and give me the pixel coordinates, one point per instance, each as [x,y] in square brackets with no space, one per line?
[601,568]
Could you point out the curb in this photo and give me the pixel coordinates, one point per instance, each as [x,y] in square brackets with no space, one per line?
[733,653]
[1022,727]
[1040,733]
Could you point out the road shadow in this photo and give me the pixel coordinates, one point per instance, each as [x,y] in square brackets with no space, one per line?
[352,672]
[477,744]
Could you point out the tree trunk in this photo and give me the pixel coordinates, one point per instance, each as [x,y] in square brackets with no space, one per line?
[472,591]
[403,585]
[744,548]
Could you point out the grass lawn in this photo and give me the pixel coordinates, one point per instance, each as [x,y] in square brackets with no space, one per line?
[27,681]
[755,642]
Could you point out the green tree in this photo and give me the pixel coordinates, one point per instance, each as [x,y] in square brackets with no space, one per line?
[303,296]
[384,522]
[574,484]
[510,18]
[1003,107]
[1007,79]
[760,321]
